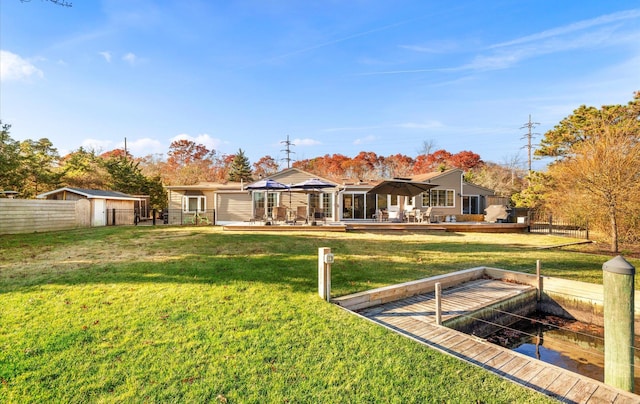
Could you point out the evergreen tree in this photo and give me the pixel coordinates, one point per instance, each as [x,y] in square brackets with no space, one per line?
[10,178]
[240,168]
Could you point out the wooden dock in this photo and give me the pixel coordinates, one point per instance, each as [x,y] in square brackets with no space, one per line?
[414,317]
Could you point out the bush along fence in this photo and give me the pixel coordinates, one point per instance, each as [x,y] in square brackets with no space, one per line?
[546,223]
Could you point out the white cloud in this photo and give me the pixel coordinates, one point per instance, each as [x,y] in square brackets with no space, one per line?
[143,147]
[578,26]
[306,142]
[99,146]
[13,67]
[106,55]
[365,140]
[130,58]
[204,139]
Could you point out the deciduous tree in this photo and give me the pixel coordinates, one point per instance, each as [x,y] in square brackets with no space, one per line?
[598,164]
[265,167]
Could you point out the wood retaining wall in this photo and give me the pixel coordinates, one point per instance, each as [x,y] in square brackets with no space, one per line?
[32,215]
[570,299]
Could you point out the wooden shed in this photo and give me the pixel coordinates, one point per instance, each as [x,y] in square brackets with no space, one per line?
[107,207]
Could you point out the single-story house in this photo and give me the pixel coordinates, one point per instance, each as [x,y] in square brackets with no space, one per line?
[226,203]
[106,206]
[451,196]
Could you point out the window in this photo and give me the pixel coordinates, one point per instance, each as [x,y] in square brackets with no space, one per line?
[272,200]
[191,204]
[441,197]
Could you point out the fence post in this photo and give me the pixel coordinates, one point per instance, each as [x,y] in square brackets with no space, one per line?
[618,285]
[113,216]
[153,220]
[587,230]
[550,223]
[438,303]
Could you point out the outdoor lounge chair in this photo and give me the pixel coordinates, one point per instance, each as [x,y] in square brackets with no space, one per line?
[279,214]
[426,215]
[318,215]
[258,215]
[301,214]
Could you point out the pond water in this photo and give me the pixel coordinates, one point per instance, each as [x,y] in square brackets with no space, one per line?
[569,344]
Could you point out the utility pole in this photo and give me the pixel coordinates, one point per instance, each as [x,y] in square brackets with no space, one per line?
[529,136]
[287,149]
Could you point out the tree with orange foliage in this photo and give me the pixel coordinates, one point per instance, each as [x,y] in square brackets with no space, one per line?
[398,165]
[265,167]
[465,160]
[189,163]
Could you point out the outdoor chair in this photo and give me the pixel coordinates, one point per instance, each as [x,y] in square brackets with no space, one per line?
[280,214]
[318,215]
[301,214]
[258,215]
[426,215]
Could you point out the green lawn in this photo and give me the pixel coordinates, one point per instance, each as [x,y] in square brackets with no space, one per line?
[172,314]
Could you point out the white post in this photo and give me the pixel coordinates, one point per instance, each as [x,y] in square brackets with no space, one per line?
[438,303]
[324,275]
[539,278]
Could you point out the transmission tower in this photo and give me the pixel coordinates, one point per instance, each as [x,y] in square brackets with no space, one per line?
[287,149]
[529,136]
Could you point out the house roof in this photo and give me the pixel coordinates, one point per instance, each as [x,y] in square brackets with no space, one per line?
[433,175]
[239,186]
[92,194]
[310,175]
[208,186]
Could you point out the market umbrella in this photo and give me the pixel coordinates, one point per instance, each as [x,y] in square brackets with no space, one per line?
[312,185]
[401,187]
[266,185]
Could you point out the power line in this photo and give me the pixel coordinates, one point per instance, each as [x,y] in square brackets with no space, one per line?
[529,136]
[287,149]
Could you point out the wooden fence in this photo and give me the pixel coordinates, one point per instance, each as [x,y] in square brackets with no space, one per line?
[32,215]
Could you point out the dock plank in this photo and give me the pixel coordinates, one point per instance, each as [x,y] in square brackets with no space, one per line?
[414,317]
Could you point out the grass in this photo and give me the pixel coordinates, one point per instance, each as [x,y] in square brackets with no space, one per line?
[184,314]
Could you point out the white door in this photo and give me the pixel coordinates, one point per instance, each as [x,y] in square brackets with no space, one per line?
[99,212]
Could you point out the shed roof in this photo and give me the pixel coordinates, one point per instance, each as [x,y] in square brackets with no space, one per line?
[92,194]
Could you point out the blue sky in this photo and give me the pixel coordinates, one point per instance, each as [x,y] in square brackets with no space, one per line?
[335,76]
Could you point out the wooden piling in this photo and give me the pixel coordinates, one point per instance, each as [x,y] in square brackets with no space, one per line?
[618,283]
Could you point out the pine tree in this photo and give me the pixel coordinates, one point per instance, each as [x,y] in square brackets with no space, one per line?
[240,168]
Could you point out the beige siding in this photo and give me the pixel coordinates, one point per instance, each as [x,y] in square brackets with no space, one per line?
[177,216]
[450,180]
[124,213]
[470,189]
[27,216]
[233,207]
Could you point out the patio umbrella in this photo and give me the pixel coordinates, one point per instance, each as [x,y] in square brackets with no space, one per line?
[401,187]
[266,185]
[312,185]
